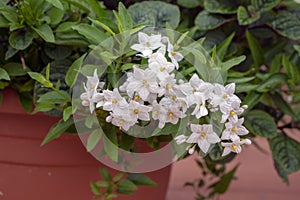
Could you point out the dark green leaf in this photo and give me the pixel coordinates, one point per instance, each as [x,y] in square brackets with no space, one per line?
[20,40]
[282,104]
[225,66]
[221,6]
[208,21]
[190,3]
[57,129]
[56,15]
[15,69]
[286,24]
[222,185]
[4,75]
[26,101]
[111,145]
[256,50]
[105,174]
[272,82]
[93,34]
[126,187]
[222,48]
[261,123]
[245,16]
[56,3]
[45,32]
[141,179]
[155,14]
[291,69]
[264,5]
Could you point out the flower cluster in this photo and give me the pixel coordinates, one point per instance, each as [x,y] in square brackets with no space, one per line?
[154,93]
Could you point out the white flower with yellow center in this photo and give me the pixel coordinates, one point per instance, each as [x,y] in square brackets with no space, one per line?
[233,130]
[199,100]
[223,95]
[124,121]
[139,111]
[143,83]
[147,43]
[234,146]
[175,56]
[168,86]
[114,100]
[159,64]
[231,111]
[203,135]
[87,99]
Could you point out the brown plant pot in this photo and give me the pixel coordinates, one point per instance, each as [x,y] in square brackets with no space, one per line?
[60,170]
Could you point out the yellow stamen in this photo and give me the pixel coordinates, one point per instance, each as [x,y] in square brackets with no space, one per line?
[148,44]
[144,82]
[121,122]
[194,90]
[171,115]
[232,113]
[173,53]
[136,111]
[233,130]
[234,147]
[114,101]
[169,87]
[155,112]
[136,97]
[162,69]
[174,98]
[203,135]
[92,87]
[225,96]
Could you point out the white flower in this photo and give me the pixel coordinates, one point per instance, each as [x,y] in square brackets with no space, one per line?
[147,43]
[174,55]
[231,111]
[180,139]
[234,129]
[92,81]
[234,146]
[142,82]
[159,64]
[87,99]
[200,109]
[124,121]
[114,100]
[168,86]
[159,113]
[171,113]
[223,95]
[204,136]
[140,111]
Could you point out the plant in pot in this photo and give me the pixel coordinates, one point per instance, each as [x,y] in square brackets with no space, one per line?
[45,46]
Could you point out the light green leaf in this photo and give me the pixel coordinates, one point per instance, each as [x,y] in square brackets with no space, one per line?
[73,71]
[189,3]
[41,79]
[225,66]
[56,3]
[102,25]
[45,32]
[65,26]
[97,8]
[93,34]
[141,179]
[124,19]
[54,97]
[256,50]
[67,113]
[20,40]
[221,6]
[93,139]
[155,14]
[261,124]
[208,21]
[4,75]
[57,129]
[244,18]
[286,24]
[56,15]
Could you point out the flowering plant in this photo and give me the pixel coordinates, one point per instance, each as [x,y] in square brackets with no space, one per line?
[154,93]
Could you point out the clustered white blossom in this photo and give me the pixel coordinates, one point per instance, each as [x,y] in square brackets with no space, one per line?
[155,93]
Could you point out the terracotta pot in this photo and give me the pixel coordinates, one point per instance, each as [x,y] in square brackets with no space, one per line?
[60,170]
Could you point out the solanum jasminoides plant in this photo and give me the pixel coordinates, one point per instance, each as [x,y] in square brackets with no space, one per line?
[254,44]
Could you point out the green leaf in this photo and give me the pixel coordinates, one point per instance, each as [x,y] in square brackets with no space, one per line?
[111,145]
[26,101]
[20,40]
[222,185]
[264,5]
[45,32]
[102,25]
[57,129]
[256,50]
[65,26]
[286,154]
[97,8]
[67,113]
[155,14]
[118,177]
[286,24]
[15,69]
[208,21]
[291,69]
[4,75]
[126,187]
[245,16]
[102,183]
[54,97]
[93,34]
[189,3]
[225,66]
[166,130]
[95,189]
[221,6]
[41,79]
[56,3]
[141,179]
[222,48]
[261,123]
[3,22]
[93,139]
[105,174]
[56,16]
[273,81]
[282,104]
[73,71]
[245,88]
[124,19]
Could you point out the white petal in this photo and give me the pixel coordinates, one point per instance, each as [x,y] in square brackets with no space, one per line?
[226,151]
[144,93]
[213,138]
[193,138]
[204,146]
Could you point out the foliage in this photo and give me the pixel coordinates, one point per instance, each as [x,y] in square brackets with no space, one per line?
[255,43]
